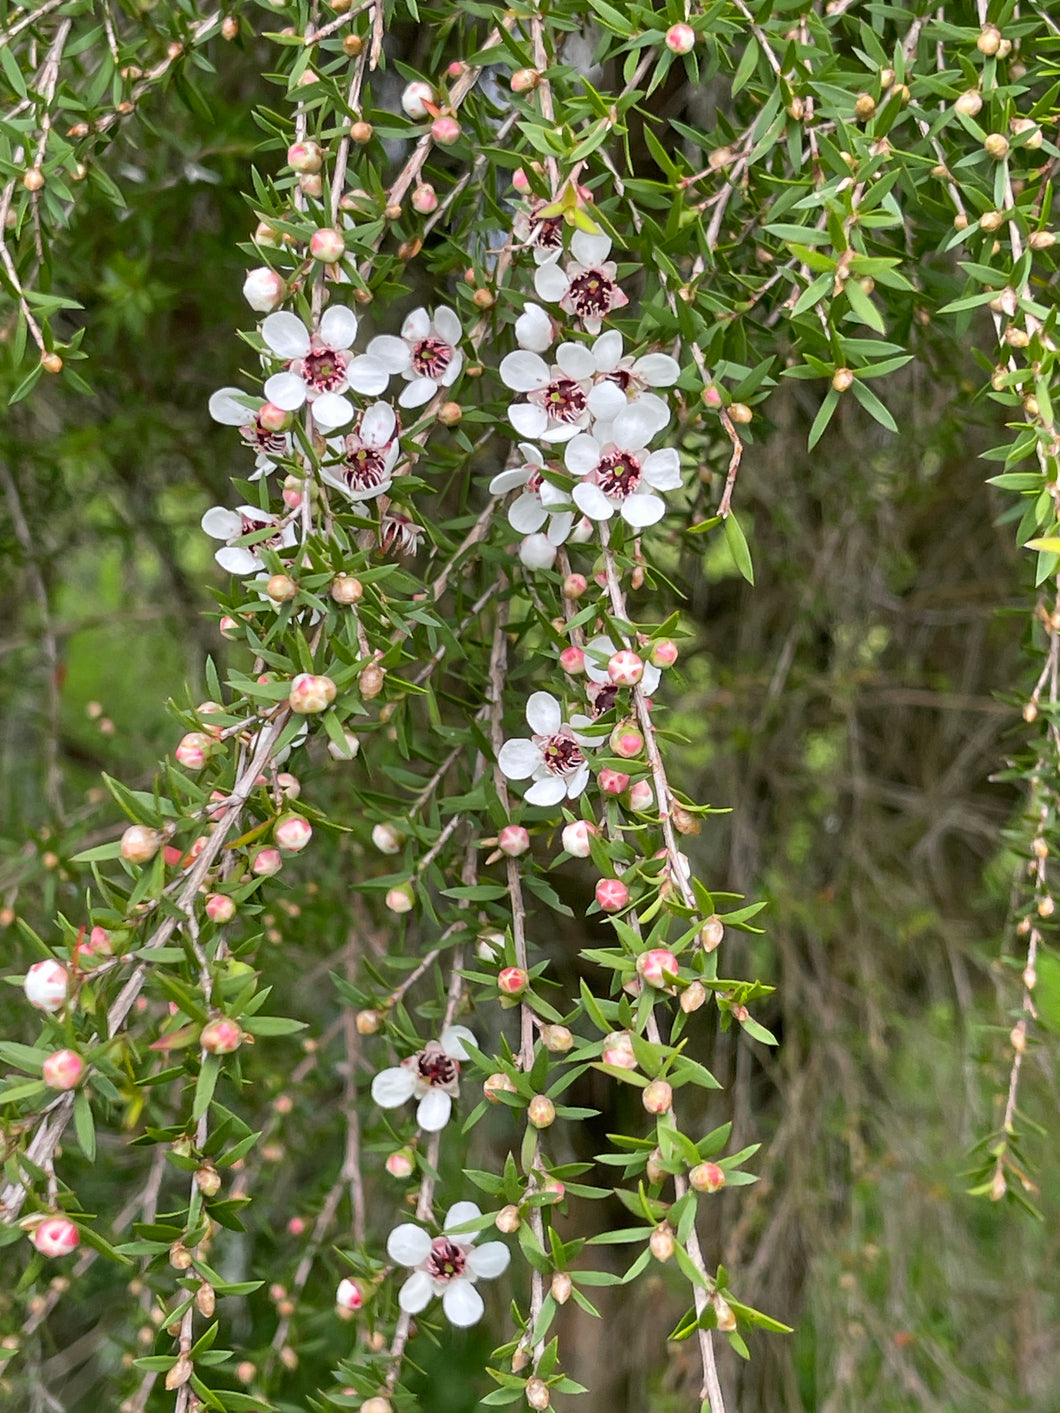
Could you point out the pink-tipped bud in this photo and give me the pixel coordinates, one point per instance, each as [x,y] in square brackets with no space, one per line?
[513,841]
[263,290]
[572,660]
[657,967]
[618,1050]
[46,985]
[327,245]
[273,418]
[387,839]
[520,180]
[512,981]
[310,694]
[662,1242]
[553,1189]
[613,782]
[574,586]
[425,199]
[445,131]
[139,844]
[557,1039]
[525,80]
[508,1219]
[575,838]
[612,895]
[680,39]
[400,900]
[456,69]
[305,157]
[221,1036]
[626,740]
[228,627]
[707,1177]
[56,1237]
[712,398]
[497,1084]
[292,833]
[348,1296]
[265,862]
[663,653]
[400,1163]
[296,1226]
[641,796]
[289,785]
[193,750]
[63,1069]
[541,1112]
[220,908]
[625,668]
[658,1098]
[417,100]
[293,492]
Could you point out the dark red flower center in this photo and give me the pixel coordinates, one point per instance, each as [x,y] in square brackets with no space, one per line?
[547,232]
[618,474]
[563,399]
[436,1068]
[590,294]
[431,357]
[249,526]
[324,369]
[364,469]
[261,439]
[561,753]
[398,532]
[446,1260]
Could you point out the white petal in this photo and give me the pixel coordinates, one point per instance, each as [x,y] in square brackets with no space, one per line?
[559,528]
[331,411]
[221,524]
[408,1244]
[417,325]
[415,1295]
[607,351]
[649,683]
[237,560]
[367,375]
[663,469]
[393,1087]
[658,370]
[528,420]
[507,481]
[591,501]
[582,455]
[286,390]
[452,1038]
[606,401]
[641,510]
[533,329]
[576,360]
[524,372]
[392,353]
[546,792]
[551,283]
[377,424]
[591,250]
[448,325]
[562,432]
[451,374]
[639,421]
[518,758]
[527,514]
[544,714]
[462,1304]
[286,335]
[577,783]
[226,406]
[551,495]
[419,391]
[458,1214]
[597,654]
[338,327]
[531,455]
[433,1111]
[489,1260]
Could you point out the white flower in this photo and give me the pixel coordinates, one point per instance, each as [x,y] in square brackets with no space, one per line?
[553,756]
[587,287]
[540,501]
[232,525]
[426,355]
[543,234]
[598,653]
[533,329]
[449,1265]
[233,408]
[537,552]
[432,1076]
[320,366]
[620,474]
[263,289]
[365,457]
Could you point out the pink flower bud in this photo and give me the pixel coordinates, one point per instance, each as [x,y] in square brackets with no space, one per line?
[574,586]
[400,900]
[553,1189]
[456,69]
[680,39]
[265,862]
[45,985]
[139,844]
[296,1226]
[273,418]
[707,1177]
[56,1237]
[575,838]
[525,80]
[310,694]
[292,493]
[663,653]
[538,552]
[348,1296]
[228,627]
[327,245]
[63,1069]
[497,1084]
[613,782]
[387,839]
[263,290]
[513,841]
[541,1112]
[618,1050]
[220,908]
[661,1242]
[657,967]
[221,1036]
[625,668]
[641,796]
[445,131]
[626,741]
[520,180]
[193,750]
[292,833]
[425,199]
[712,397]
[305,157]
[572,660]
[417,100]
[512,981]
[557,1039]
[658,1098]
[289,785]
[399,1164]
[612,895]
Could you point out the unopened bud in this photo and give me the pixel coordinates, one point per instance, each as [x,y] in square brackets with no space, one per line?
[995,144]
[991,220]
[989,41]
[693,997]
[387,839]
[712,933]
[281,588]
[310,694]
[662,1242]
[561,1287]
[613,782]
[346,589]
[512,981]
[508,1219]
[707,1177]
[575,838]
[525,80]
[541,1112]
[179,1256]
[348,1296]
[740,413]
[401,900]
[625,668]
[368,1022]
[557,1039]
[658,967]
[723,1311]
[415,99]
[445,131]
[63,1069]
[842,379]
[450,414]
[498,1084]
[371,681]
[139,844]
[208,1180]
[864,107]
[641,796]
[424,199]
[33,180]
[400,1164]
[654,1169]
[327,245]
[969,103]
[221,1036]
[680,39]
[612,895]
[51,363]
[361,132]
[1041,240]
[305,157]
[537,1394]
[626,740]
[1046,906]
[206,1300]
[658,1098]
[572,660]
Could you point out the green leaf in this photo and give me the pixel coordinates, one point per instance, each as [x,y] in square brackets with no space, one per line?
[735,539]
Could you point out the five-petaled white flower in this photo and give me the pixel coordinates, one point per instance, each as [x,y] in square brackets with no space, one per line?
[540,501]
[553,756]
[587,287]
[543,234]
[232,525]
[232,408]
[426,355]
[619,473]
[432,1076]
[320,366]
[363,460]
[446,1265]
